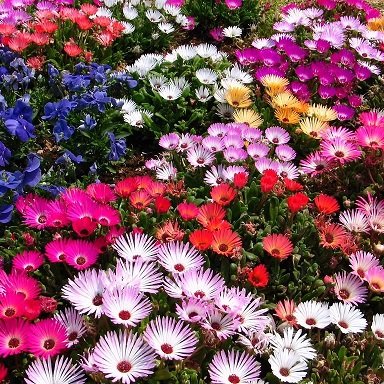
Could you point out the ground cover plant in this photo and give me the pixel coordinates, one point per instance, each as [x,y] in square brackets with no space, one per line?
[191,192]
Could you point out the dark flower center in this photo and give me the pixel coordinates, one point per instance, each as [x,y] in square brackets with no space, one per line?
[193,314]
[319,167]
[339,154]
[124,315]
[223,247]
[343,324]
[379,334]
[61,256]
[234,379]
[284,372]
[84,232]
[289,318]
[97,300]
[9,312]
[179,267]
[199,294]
[49,344]
[200,160]
[13,343]
[361,272]
[72,336]
[166,348]
[329,238]
[28,268]
[124,366]
[80,260]
[42,219]
[216,326]
[310,322]
[275,252]
[344,294]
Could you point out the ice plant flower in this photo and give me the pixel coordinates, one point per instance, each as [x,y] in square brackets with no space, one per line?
[278,246]
[60,371]
[258,276]
[225,242]
[377,326]
[287,366]
[171,339]
[201,239]
[347,318]
[326,204]
[268,180]
[136,245]
[375,279]
[350,289]
[47,338]
[238,96]
[312,314]
[223,194]
[284,310]
[297,202]
[73,323]
[233,367]
[361,262]
[14,334]
[187,211]
[28,261]
[123,356]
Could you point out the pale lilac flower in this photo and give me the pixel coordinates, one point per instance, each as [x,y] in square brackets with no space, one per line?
[169,141]
[218,129]
[361,262]
[340,150]
[230,171]
[135,246]
[233,367]
[215,175]
[284,152]
[350,289]
[287,366]
[377,326]
[257,150]
[199,156]
[277,135]
[213,143]
[124,356]
[222,325]
[251,134]
[233,141]
[354,220]
[166,172]
[233,155]
[73,323]
[193,309]
[288,170]
[186,141]
[264,163]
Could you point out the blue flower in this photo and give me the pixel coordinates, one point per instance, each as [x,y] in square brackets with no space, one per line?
[9,180]
[6,213]
[76,82]
[88,123]
[62,130]
[21,128]
[32,172]
[54,190]
[52,71]
[118,147]
[58,110]
[5,155]
[21,110]
[68,157]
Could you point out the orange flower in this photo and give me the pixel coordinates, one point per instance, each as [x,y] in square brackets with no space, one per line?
[218,225]
[170,231]
[278,246]
[332,235]
[223,194]
[201,239]
[140,199]
[225,242]
[326,204]
[284,309]
[125,187]
[210,211]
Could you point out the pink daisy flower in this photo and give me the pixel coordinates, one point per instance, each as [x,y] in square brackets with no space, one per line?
[74,194]
[354,220]
[73,323]
[85,292]
[123,356]
[372,118]
[28,261]
[177,257]
[57,214]
[101,192]
[11,305]
[55,250]
[375,279]
[36,215]
[47,338]
[361,262]
[14,334]
[340,150]
[213,143]
[19,282]
[85,207]
[229,367]
[370,136]
[314,164]
[349,288]
[199,156]
[61,371]
[170,338]
[232,300]
[277,135]
[80,254]
[107,216]
[126,306]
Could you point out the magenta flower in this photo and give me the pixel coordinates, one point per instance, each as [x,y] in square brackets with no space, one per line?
[14,335]
[28,261]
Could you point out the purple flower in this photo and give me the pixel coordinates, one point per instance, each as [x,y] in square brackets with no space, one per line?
[304,72]
[270,57]
[344,112]
[62,131]
[326,91]
[32,172]
[6,213]
[68,157]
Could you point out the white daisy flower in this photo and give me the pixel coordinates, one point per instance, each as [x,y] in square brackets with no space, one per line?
[287,366]
[172,10]
[232,31]
[154,16]
[206,76]
[224,110]
[347,318]
[206,50]
[238,74]
[103,12]
[166,28]
[157,81]
[263,43]
[180,82]
[203,94]
[170,92]
[312,314]
[73,323]
[128,27]
[166,172]
[294,341]
[128,105]
[186,52]
[130,13]
[377,326]
[135,246]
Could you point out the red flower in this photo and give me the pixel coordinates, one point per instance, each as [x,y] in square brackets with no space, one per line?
[297,202]
[223,194]
[32,309]
[162,204]
[268,180]
[201,239]
[240,180]
[72,49]
[225,242]
[125,187]
[36,62]
[326,204]
[84,23]
[140,199]
[3,371]
[210,211]
[292,185]
[84,226]
[259,276]
[188,211]
[278,246]
[218,225]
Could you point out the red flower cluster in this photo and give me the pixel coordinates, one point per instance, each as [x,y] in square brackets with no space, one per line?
[268,180]
[297,202]
[259,276]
